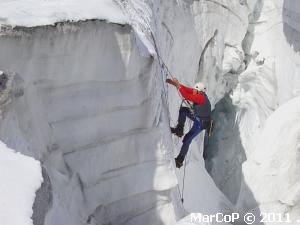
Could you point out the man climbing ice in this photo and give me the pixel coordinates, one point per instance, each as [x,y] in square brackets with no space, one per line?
[199,113]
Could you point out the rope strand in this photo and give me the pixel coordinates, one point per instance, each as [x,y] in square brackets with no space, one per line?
[162,66]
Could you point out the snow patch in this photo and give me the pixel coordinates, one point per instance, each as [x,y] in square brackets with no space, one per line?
[31,13]
[275,163]
[20,177]
[255,99]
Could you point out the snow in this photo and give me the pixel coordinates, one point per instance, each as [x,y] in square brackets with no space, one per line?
[255,99]
[214,200]
[31,13]
[20,177]
[274,163]
[273,133]
[188,221]
[266,104]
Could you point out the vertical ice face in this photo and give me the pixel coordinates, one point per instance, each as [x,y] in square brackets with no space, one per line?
[272,144]
[91,111]
[271,171]
[88,99]
[91,105]
[266,107]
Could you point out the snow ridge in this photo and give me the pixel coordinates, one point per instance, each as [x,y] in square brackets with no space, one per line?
[31,13]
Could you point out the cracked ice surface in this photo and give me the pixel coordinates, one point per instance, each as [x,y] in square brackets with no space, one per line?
[96,122]
[89,101]
[276,132]
[274,163]
[266,103]
[93,110]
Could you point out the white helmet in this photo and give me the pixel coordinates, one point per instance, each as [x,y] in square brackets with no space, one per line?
[200,87]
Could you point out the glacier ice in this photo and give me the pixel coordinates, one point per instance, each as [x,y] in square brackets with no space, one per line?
[75,115]
[268,87]
[269,167]
[87,98]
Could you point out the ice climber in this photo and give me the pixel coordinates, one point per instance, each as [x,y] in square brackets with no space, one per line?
[199,113]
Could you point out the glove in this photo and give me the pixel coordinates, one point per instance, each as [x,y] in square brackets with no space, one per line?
[169,81]
[173,82]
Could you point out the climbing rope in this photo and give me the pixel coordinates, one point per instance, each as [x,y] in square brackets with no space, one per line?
[164,66]
[164,69]
[185,163]
[183,179]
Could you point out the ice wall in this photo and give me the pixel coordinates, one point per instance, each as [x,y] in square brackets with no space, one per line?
[219,63]
[264,104]
[89,101]
[276,26]
[88,106]
[274,163]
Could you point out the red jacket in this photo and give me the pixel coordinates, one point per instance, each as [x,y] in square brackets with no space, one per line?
[187,93]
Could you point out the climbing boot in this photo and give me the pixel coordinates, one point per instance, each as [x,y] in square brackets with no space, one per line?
[178,131]
[178,163]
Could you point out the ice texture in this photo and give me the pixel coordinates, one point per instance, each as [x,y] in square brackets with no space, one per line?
[88,99]
[265,106]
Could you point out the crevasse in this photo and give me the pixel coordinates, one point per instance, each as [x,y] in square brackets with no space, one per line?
[89,101]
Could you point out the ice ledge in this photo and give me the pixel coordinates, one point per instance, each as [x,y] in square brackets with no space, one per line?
[32,13]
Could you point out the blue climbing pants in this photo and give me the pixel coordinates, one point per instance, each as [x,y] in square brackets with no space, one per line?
[196,129]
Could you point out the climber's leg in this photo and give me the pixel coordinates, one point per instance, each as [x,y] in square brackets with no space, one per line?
[184,112]
[187,140]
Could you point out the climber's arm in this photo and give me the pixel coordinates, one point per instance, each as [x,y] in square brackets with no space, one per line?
[186,89]
[197,98]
